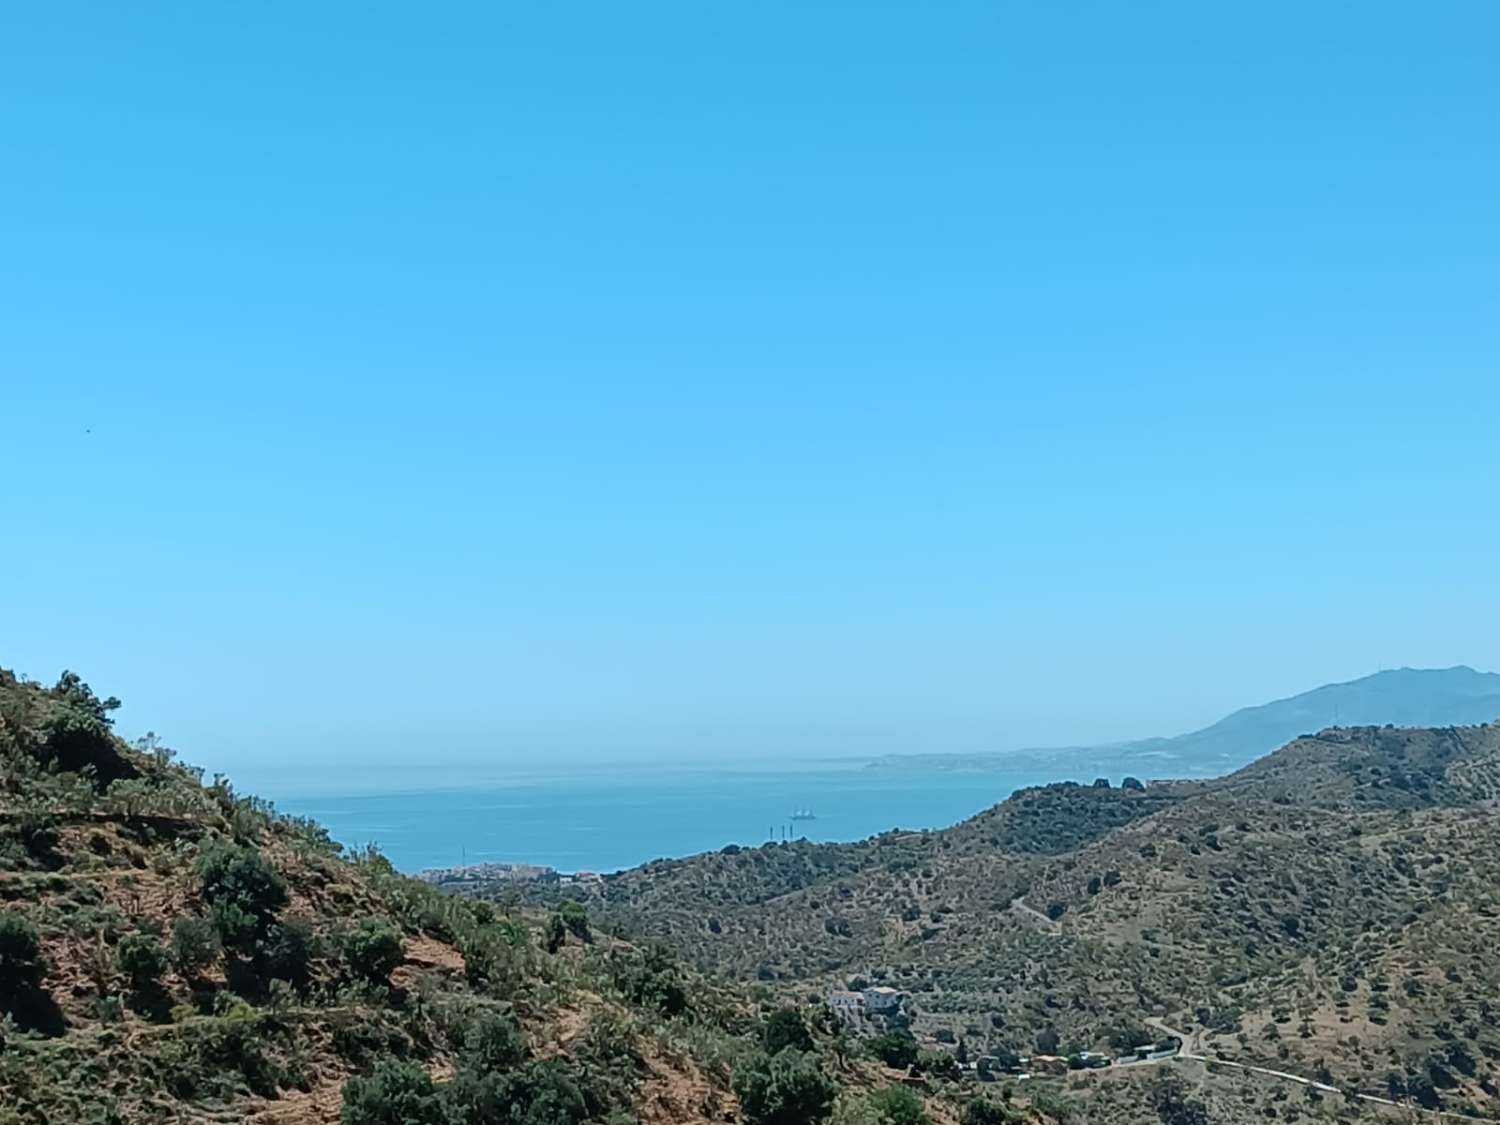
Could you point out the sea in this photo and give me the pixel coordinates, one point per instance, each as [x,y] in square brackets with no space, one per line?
[606,817]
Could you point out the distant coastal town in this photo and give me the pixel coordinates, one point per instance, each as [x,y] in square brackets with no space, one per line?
[471,873]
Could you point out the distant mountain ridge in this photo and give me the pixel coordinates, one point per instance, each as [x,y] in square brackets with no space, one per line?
[1403,697]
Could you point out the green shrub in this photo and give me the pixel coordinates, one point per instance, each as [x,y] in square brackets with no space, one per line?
[493,962]
[493,1042]
[398,1093]
[37,829]
[894,1048]
[142,959]
[554,933]
[576,918]
[20,950]
[898,1105]
[234,925]
[651,979]
[786,1029]
[1054,1103]
[982,1111]
[76,735]
[539,1093]
[287,951]
[788,1088]
[373,950]
[242,877]
[223,1056]
[195,945]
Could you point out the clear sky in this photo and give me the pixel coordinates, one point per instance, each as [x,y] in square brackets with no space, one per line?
[519,381]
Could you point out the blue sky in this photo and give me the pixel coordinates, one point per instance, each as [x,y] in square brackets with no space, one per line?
[524,382]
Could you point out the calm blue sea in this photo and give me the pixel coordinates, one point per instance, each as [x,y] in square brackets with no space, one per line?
[603,818]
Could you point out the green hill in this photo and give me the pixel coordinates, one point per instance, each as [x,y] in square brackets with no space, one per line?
[1328,911]
[173,951]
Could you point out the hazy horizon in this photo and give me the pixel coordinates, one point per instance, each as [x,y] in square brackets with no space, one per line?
[553,385]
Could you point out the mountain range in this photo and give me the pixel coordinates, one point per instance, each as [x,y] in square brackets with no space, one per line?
[1403,697]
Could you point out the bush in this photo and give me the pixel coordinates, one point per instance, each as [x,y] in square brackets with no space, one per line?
[898,1105]
[894,1048]
[788,1088]
[38,831]
[195,945]
[374,949]
[398,1093]
[554,933]
[216,1057]
[540,1093]
[233,925]
[492,962]
[576,918]
[651,980]
[142,959]
[982,1111]
[242,877]
[77,733]
[20,950]
[493,1042]
[287,951]
[786,1029]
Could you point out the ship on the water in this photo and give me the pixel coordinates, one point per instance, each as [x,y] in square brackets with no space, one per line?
[803,814]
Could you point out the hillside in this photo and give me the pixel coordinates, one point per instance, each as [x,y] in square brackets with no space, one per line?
[1403,697]
[172,951]
[1329,910]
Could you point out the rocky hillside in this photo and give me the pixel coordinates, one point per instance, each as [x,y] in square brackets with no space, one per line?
[173,951]
[1329,910]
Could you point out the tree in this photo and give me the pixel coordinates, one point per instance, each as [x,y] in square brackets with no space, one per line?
[788,1088]
[1047,1041]
[20,951]
[195,945]
[373,950]
[894,1048]
[1131,783]
[785,1029]
[77,732]
[142,959]
[555,933]
[898,1105]
[286,952]
[398,1093]
[576,918]
[651,979]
